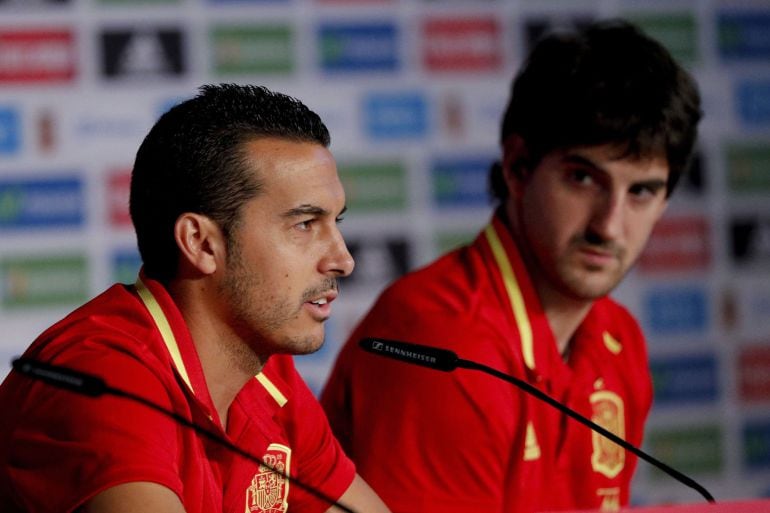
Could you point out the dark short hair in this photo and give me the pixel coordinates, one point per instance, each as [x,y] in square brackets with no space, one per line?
[608,84]
[193,160]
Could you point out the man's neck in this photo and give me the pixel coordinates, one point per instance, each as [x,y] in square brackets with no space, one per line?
[227,363]
[564,315]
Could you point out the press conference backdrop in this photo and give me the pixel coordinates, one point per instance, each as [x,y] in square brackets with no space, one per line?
[412,92]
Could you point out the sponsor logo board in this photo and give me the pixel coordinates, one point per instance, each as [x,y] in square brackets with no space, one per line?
[37,56]
[39,282]
[42,203]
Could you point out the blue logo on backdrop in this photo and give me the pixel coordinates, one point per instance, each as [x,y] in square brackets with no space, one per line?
[744,35]
[753,99]
[461,181]
[166,104]
[676,311]
[10,131]
[361,47]
[396,115]
[756,443]
[125,265]
[691,379]
[54,202]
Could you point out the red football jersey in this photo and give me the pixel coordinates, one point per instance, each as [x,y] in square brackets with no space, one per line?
[429,441]
[58,448]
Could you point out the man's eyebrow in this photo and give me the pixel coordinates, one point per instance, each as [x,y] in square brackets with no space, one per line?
[580,160]
[314,210]
[304,210]
[654,184]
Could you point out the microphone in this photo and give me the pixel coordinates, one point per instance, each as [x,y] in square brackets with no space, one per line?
[94,386]
[446,360]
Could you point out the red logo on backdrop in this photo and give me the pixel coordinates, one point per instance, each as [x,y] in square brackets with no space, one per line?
[678,244]
[118,187]
[37,55]
[754,373]
[462,44]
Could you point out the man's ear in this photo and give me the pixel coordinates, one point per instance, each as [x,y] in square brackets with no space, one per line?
[200,241]
[515,163]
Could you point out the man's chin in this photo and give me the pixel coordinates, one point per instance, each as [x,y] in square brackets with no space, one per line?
[305,345]
[589,287]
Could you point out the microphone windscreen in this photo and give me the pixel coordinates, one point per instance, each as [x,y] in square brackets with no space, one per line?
[61,377]
[426,356]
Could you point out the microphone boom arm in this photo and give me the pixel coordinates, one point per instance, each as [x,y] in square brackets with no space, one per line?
[445,360]
[468,364]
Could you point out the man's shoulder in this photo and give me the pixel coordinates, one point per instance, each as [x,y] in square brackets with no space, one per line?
[438,283]
[115,319]
[618,321]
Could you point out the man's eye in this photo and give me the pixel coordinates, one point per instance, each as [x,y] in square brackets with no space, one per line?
[582,177]
[643,191]
[304,225]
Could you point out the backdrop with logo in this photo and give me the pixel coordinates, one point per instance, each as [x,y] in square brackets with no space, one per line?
[412,92]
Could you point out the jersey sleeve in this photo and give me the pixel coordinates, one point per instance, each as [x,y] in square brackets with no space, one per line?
[67,447]
[321,462]
[408,428]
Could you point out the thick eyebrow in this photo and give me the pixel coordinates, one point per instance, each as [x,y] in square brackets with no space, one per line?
[314,210]
[653,184]
[580,160]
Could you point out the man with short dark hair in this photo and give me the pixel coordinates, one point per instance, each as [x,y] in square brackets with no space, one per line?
[599,128]
[235,200]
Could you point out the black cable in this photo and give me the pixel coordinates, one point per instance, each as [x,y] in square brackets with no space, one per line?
[94,386]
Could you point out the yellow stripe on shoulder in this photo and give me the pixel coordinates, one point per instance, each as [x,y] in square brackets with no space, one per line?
[612,344]
[515,296]
[272,389]
[164,328]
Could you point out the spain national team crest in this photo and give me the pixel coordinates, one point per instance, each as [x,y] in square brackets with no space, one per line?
[269,491]
[608,458]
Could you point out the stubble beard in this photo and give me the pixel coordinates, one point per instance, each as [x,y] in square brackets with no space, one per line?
[588,283]
[260,325]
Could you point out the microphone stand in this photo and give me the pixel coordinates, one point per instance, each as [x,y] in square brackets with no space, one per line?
[94,386]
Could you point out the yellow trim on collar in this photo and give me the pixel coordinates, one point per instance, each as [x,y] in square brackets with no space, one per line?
[514,295]
[272,389]
[164,328]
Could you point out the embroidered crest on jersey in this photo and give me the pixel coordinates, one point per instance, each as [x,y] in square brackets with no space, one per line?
[607,458]
[531,447]
[610,499]
[269,491]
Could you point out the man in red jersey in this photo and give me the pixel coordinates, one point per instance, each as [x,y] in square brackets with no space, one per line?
[235,199]
[599,127]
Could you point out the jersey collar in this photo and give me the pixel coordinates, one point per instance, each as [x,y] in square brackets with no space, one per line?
[152,301]
[497,238]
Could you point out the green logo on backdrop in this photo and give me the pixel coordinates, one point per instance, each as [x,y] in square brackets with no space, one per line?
[238,49]
[748,167]
[695,449]
[10,205]
[33,282]
[374,186]
[675,30]
[447,241]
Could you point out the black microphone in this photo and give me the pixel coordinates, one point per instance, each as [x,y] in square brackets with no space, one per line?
[94,386]
[446,360]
